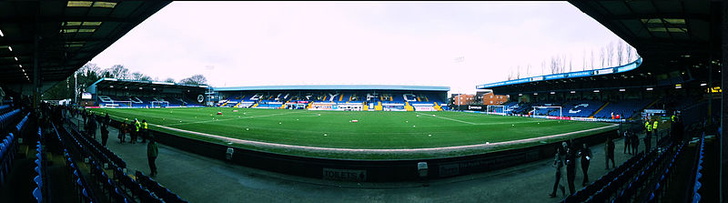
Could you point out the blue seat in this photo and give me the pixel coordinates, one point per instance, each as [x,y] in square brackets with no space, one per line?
[38,180]
[37,194]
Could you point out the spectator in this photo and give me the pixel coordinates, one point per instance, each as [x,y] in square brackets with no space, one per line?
[152,152]
[609,151]
[558,164]
[571,168]
[586,156]
[635,143]
[123,128]
[104,134]
[144,131]
[107,119]
[627,143]
[91,127]
[136,126]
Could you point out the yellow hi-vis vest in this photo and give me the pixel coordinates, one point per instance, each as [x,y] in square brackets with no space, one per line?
[145,125]
[654,126]
[137,125]
[648,126]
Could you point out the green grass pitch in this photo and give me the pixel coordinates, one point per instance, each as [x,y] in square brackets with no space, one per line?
[336,129]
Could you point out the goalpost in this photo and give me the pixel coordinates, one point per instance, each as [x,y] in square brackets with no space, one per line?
[535,108]
[159,104]
[496,109]
[117,104]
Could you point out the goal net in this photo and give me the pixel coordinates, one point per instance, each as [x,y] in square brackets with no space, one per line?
[547,111]
[117,104]
[496,109]
[159,104]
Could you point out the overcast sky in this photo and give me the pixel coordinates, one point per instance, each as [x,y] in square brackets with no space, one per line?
[455,44]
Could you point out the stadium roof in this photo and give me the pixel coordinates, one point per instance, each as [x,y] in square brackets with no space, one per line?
[336,87]
[677,41]
[59,37]
[107,83]
[665,33]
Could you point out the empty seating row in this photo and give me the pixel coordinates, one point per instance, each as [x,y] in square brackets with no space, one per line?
[5,108]
[699,171]
[624,108]
[157,189]
[99,185]
[41,190]
[8,150]
[9,119]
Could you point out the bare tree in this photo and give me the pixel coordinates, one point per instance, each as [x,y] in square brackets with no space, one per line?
[620,52]
[583,60]
[117,71]
[629,53]
[140,76]
[603,56]
[90,69]
[528,70]
[170,80]
[570,63]
[194,80]
[592,59]
[518,72]
[610,54]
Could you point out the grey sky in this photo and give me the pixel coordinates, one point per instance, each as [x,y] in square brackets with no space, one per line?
[350,43]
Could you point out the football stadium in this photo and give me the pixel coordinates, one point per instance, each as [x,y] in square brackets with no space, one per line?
[656,119]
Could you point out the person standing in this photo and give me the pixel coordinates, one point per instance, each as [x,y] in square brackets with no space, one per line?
[123,127]
[104,134]
[648,142]
[91,130]
[627,144]
[144,131]
[136,126]
[586,156]
[558,164]
[635,143]
[571,168]
[107,119]
[152,152]
[609,151]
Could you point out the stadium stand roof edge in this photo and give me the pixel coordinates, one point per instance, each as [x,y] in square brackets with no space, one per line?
[576,74]
[335,87]
[61,36]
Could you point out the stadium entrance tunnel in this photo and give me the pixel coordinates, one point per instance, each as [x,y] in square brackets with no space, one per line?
[370,170]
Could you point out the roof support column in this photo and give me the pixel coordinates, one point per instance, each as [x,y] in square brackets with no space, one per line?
[723,185]
[724,110]
[36,64]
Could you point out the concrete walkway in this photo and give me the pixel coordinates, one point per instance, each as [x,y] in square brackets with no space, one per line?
[200,179]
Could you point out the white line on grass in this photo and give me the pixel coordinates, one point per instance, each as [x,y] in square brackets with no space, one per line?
[446,118]
[233,118]
[401,151]
[490,123]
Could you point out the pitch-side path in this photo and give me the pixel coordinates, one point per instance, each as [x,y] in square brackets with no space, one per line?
[200,179]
